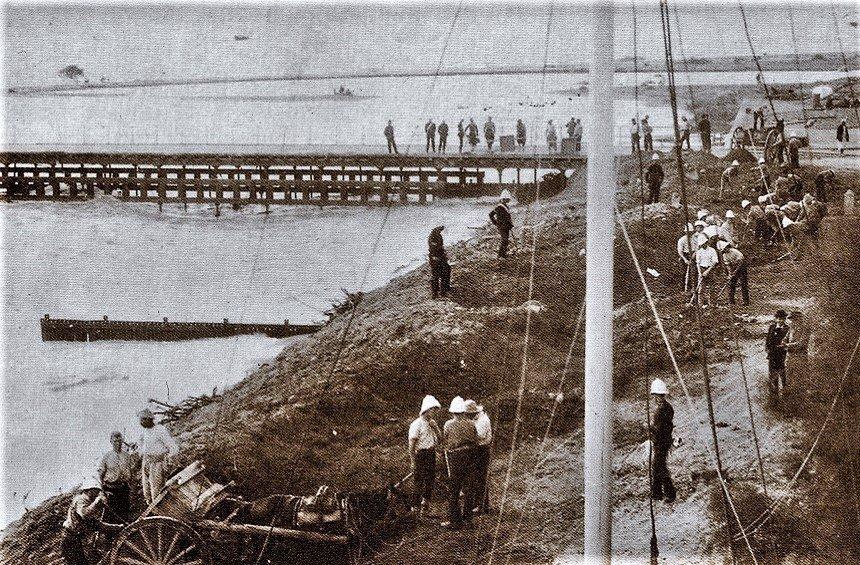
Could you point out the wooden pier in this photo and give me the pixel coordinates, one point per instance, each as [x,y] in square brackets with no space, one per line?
[57,329]
[268,179]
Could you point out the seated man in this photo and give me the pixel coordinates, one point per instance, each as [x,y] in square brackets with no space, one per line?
[82,519]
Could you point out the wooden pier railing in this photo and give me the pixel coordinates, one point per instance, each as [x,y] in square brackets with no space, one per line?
[57,329]
[317,179]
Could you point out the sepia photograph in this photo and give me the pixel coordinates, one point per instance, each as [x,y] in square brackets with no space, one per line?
[500,282]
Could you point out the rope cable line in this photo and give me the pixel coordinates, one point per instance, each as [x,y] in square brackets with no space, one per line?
[849,78]
[756,59]
[752,419]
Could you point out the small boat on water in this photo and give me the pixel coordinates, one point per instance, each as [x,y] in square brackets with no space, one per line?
[343,91]
[240,37]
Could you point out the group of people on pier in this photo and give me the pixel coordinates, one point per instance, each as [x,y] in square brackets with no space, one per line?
[469,136]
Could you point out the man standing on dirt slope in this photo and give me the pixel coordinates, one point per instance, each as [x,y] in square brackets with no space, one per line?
[490,133]
[706,262]
[484,429]
[685,133]
[521,134]
[842,136]
[430,130]
[389,136]
[812,212]
[793,152]
[443,137]
[729,173]
[661,428]
[764,176]
[705,133]
[736,271]
[156,447]
[634,137]
[461,437]
[686,251]
[756,221]
[727,228]
[648,135]
[115,475]
[424,437]
[440,270]
[777,349]
[654,177]
[500,217]
[825,181]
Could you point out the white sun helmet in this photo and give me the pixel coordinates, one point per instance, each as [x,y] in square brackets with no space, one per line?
[659,387]
[736,163]
[786,221]
[730,214]
[506,195]
[745,203]
[458,405]
[702,214]
[428,403]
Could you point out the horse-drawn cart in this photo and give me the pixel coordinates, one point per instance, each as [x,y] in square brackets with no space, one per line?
[192,519]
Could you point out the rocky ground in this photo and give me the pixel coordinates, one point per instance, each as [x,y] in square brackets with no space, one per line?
[334,409]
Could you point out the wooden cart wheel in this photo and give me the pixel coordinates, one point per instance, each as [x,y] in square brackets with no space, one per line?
[158,540]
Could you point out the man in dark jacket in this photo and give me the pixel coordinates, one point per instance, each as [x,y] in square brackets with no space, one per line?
[501,218]
[705,133]
[389,136]
[443,136]
[777,349]
[440,270]
[794,152]
[490,133]
[461,133]
[430,130]
[661,441]
[842,136]
[825,181]
[521,134]
[654,177]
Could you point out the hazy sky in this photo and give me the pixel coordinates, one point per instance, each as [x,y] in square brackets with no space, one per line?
[122,42]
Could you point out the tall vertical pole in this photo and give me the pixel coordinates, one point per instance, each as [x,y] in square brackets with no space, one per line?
[600,234]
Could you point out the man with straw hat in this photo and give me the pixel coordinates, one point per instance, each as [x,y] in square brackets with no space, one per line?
[424,436]
[482,454]
[461,437]
[500,217]
[661,441]
[156,447]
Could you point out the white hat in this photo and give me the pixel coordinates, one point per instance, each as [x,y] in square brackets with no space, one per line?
[702,213]
[457,405]
[473,407]
[711,230]
[655,157]
[761,161]
[730,214]
[428,403]
[659,387]
[700,223]
[691,227]
[786,221]
[745,203]
[764,198]
[735,163]
[506,195]
[722,244]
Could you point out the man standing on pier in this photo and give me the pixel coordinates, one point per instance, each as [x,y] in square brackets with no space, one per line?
[521,134]
[389,136]
[430,130]
[156,446]
[472,134]
[443,136]
[634,137]
[440,270]
[501,218]
[461,133]
[490,133]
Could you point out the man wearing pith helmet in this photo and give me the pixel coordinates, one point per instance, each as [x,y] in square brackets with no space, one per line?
[424,436]
[461,437]
[661,441]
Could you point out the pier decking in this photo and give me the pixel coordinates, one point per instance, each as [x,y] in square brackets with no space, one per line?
[58,329]
[249,177]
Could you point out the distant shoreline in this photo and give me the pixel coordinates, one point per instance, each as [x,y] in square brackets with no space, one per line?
[821,62]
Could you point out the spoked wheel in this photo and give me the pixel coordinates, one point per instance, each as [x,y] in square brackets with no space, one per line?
[158,540]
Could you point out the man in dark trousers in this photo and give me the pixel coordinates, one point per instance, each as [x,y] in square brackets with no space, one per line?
[424,437]
[521,134]
[461,133]
[777,349]
[842,136]
[501,218]
[648,133]
[443,136]
[440,270]
[460,440]
[705,133]
[389,136]
[825,181]
[685,133]
[794,152]
[430,130]
[736,271]
[654,177]
[661,441]
[490,133]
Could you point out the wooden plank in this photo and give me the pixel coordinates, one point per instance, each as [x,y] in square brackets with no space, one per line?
[272,531]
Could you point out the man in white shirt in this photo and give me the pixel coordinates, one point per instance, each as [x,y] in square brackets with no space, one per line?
[727,230]
[482,454]
[424,436]
[706,260]
[156,447]
[115,474]
[686,247]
